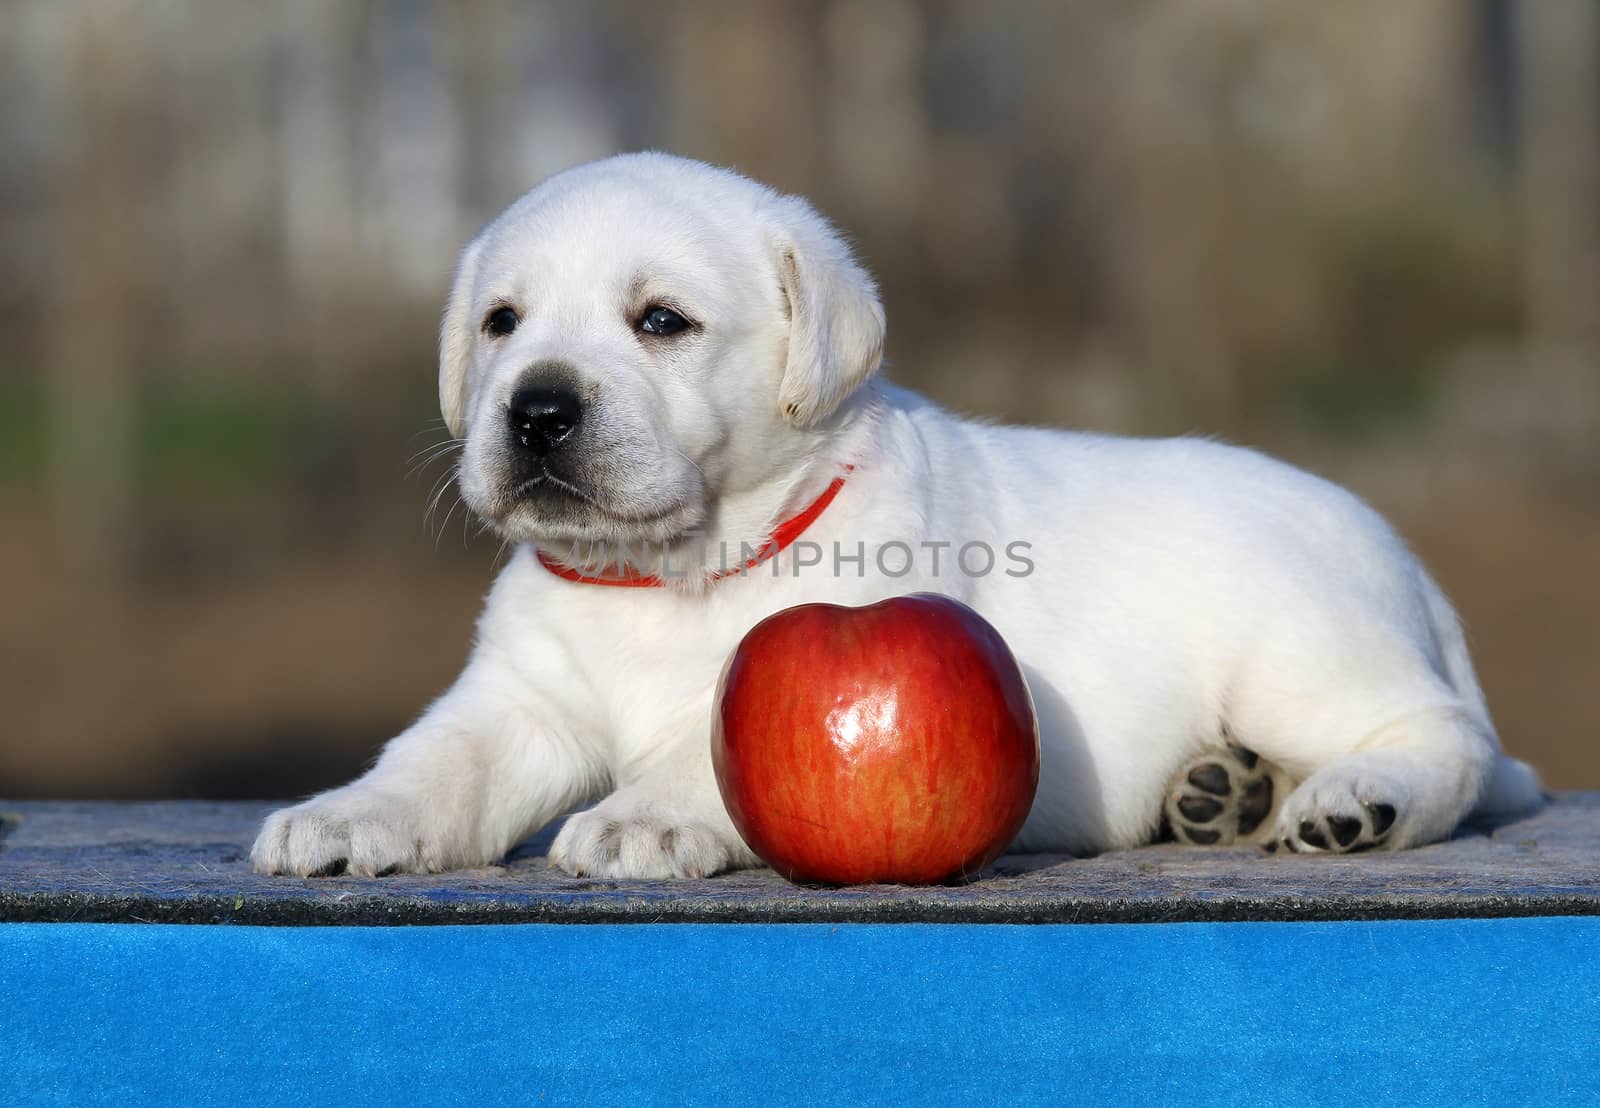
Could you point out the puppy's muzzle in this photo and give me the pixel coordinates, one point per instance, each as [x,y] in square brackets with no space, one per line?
[542,417]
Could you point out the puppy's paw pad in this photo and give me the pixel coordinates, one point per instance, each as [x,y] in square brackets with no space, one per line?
[1223,797]
[1212,776]
[1334,814]
[1311,835]
[1345,831]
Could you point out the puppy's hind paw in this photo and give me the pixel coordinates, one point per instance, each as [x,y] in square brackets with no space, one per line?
[1341,812]
[1224,797]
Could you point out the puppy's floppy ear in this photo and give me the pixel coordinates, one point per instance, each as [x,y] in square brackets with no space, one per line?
[835,320]
[455,343]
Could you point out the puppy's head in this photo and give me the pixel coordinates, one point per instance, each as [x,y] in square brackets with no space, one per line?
[639,336]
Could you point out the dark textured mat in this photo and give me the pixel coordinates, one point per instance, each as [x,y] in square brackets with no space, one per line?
[185,862]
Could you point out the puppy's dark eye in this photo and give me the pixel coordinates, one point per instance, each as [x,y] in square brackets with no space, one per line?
[501,321]
[662,321]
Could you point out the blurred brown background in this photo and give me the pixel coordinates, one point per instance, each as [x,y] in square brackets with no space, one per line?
[1363,235]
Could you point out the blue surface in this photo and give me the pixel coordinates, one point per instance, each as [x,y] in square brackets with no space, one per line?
[1438,1012]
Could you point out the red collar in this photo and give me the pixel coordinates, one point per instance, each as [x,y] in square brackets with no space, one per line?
[783,536]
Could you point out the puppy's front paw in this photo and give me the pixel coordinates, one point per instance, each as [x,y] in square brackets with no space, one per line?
[1344,810]
[628,838]
[350,830]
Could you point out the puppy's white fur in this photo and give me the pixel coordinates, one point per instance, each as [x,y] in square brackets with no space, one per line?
[1178,587]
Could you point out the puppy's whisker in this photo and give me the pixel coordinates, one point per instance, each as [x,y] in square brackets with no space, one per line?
[429,454]
[439,538]
[435,493]
[445,525]
[428,427]
[437,450]
[418,470]
[443,484]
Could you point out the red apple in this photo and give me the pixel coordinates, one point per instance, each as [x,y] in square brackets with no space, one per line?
[895,742]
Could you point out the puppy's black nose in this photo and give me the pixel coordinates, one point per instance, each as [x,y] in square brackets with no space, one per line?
[543,416]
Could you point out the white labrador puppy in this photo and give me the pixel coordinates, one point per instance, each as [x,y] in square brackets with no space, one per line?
[656,366]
